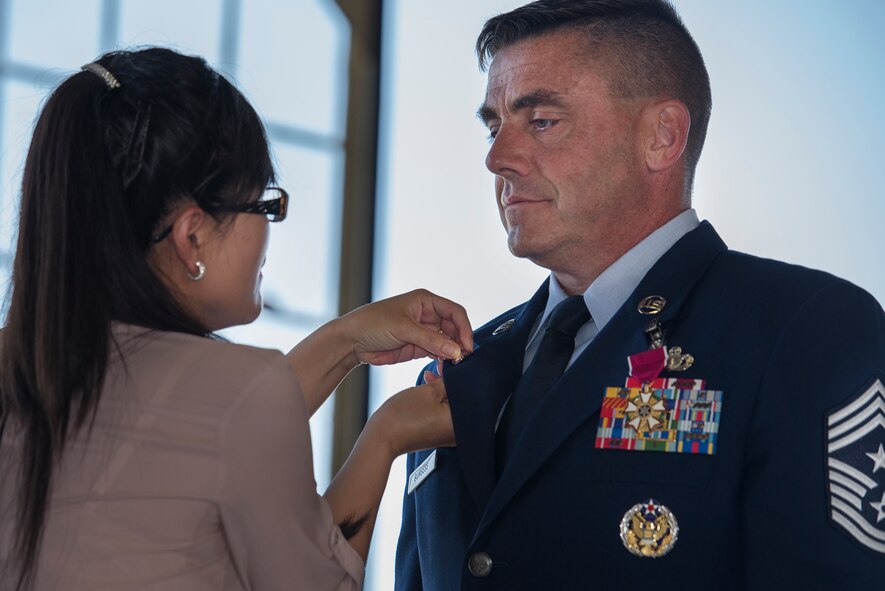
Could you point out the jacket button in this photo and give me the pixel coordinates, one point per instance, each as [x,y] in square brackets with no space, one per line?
[479,564]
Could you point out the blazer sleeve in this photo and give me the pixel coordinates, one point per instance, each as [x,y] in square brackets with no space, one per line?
[829,354]
[408,567]
[279,530]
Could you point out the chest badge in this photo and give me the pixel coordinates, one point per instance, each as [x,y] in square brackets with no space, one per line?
[654,413]
[649,529]
[651,413]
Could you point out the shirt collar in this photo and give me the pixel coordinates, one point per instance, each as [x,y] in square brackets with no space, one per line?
[610,290]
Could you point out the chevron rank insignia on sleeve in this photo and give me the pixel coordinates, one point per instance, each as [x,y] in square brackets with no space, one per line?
[856,466]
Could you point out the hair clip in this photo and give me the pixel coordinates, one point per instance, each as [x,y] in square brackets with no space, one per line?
[102,73]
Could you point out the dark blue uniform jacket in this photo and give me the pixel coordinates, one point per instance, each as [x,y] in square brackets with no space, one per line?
[785,502]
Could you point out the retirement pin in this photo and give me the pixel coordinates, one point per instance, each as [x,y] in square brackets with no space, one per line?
[504,327]
[649,529]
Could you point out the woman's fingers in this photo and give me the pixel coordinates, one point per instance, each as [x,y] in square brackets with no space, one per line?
[446,324]
[451,318]
[409,326]
[435,341]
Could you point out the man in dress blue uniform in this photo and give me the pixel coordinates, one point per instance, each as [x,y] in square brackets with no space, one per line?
[663,413]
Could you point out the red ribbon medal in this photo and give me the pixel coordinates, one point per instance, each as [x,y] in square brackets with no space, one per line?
[648,365]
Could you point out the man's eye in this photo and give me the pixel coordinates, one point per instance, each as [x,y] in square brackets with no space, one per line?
[493,131]
[542,124]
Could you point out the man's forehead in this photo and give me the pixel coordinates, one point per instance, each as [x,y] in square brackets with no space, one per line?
[555,61]
[513,72]
[513,79]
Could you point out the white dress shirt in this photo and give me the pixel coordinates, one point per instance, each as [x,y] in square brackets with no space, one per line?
[610,290]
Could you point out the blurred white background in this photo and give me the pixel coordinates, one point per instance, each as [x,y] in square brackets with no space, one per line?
[790,168]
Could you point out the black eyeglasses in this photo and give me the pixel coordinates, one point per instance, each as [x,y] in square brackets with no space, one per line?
[274,203]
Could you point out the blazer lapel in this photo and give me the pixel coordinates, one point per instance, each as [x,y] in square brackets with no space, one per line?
[577,397]
[477,388]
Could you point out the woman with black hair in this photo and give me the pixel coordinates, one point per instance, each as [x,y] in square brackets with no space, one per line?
[138,450]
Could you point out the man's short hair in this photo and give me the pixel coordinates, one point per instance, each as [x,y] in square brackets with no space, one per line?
[642,45]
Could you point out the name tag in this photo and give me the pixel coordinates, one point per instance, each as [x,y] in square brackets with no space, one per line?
[422,472]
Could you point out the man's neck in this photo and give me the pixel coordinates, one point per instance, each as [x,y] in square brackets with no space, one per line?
[576,279]
[579,273]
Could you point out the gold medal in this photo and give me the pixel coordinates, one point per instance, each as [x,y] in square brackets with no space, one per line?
[645,411]
[649,529]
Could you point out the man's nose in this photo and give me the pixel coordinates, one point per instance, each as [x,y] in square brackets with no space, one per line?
[507,155]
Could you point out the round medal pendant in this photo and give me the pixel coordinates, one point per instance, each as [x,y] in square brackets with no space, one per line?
[649,529]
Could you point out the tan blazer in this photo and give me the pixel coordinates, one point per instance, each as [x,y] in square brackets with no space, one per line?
[198,474]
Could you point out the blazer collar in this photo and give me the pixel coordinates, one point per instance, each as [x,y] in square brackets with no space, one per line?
[577,397]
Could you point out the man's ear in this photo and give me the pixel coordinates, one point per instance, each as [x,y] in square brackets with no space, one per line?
[666,125]
[190,232]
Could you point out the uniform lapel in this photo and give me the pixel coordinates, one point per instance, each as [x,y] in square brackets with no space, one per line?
[578,395]
[477,388]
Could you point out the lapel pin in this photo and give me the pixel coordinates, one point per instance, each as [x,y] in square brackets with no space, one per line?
[504,327]
[652,305]
[649,529]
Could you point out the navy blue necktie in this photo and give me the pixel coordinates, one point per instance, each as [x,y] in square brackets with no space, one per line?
[551,359]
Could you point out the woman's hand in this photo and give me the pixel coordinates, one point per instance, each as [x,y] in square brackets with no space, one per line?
[405,327]
[415,419]
[408,326]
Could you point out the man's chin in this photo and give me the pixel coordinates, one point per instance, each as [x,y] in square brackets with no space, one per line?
[523,249]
